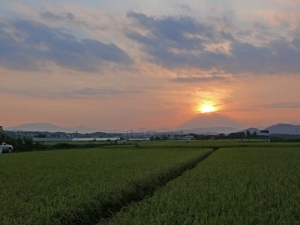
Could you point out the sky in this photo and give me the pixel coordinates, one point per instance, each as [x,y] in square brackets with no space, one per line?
[124,65]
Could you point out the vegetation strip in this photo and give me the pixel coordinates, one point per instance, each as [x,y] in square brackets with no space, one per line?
[92,211]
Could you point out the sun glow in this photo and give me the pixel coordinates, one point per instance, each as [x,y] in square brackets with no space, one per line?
[207,108]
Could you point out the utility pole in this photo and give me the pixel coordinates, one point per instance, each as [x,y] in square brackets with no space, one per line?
[1,130]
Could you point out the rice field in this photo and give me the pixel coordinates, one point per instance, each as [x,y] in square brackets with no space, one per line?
[255,185]
[159,182]
[38,187]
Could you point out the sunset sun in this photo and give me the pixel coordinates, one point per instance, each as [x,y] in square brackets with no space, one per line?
[207,108]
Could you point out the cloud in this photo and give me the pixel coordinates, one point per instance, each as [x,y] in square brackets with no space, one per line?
[102,92]
[67,18]
[185,7]
[80,93]
[192,79]
[47,15]
[26,45]
[175,42]
[280,105]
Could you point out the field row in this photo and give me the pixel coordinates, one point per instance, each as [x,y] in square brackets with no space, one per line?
[40,187]
[233,186]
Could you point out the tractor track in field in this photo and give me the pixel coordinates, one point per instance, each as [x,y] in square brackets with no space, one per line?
[94,211]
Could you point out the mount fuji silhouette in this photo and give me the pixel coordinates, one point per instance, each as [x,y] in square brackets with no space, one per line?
[211,123]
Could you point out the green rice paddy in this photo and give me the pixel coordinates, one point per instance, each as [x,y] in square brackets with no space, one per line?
[165,182]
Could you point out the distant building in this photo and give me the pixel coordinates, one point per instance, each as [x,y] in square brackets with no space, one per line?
[139,139]
[263,133]
[188,137]
[96,139]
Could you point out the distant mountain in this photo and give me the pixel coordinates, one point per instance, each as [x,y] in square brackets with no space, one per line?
[82,129]
[36,127]
[47,127]
[164,130]
[206,123]
[210,123]
[142,129]
[211,130]
[284,129]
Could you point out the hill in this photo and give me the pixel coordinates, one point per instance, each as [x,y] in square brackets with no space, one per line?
[284,129]
[43,127]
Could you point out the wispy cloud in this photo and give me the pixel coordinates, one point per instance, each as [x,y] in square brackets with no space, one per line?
[47,15]
[193,79]
[69,19]
[185,7]
[103,92]
[281,105]
[79,93]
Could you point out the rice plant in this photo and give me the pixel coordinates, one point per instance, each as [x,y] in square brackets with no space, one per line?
[253,185]
[40,187]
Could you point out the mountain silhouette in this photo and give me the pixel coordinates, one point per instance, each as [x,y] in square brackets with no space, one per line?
[210,120]
[284,129]
[41,127]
